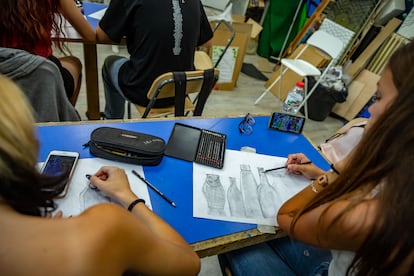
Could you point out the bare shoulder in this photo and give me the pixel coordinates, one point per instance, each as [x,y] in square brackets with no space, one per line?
[103,210]
[102,220]
[81,245]
[100,233]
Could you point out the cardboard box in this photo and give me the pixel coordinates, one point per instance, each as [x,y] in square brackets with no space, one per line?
[290,78]
[230,65]
[254,38]
[360,91]
[256,28]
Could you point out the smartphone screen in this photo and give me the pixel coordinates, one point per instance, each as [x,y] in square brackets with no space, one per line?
[61,163]
[286,122]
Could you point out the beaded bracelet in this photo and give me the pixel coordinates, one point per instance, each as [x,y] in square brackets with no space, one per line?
[135,202]
[322,181]
[313,187]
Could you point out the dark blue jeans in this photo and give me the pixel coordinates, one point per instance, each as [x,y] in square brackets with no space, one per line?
[115,99]
[282,257]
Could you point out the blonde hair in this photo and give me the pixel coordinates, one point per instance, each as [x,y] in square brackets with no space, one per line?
[17,137]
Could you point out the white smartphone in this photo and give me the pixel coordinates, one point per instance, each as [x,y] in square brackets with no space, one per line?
[61,163]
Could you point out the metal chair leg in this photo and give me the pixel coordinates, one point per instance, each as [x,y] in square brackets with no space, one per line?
[267,90]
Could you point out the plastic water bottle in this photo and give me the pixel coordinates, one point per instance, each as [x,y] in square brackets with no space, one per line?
[294,98]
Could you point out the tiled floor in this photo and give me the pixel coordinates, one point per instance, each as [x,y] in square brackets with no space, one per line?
[237,102]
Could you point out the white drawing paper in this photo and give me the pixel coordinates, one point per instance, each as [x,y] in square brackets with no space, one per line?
[98,14]
[238,193]
[80,196]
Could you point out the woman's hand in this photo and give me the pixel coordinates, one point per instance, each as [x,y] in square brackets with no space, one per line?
[296,164]
[113,182]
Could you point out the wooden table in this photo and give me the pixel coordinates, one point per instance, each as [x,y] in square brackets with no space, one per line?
[233,241]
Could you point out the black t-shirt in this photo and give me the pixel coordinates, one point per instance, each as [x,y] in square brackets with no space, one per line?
[161,37]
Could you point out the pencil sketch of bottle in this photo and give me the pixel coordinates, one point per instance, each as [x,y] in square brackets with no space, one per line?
[235,199]
[90,197]
[249,190]
[279,181]
[267,196]
[214,193]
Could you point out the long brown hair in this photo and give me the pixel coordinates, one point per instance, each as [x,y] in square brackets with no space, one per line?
[31,21]
[385,156]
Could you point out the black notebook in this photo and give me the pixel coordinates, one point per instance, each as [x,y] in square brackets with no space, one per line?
[197,145]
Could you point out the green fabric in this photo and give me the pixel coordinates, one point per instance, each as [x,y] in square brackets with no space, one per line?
[276,26]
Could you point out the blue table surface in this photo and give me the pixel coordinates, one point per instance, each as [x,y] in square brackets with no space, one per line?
[174,176]
[89,8]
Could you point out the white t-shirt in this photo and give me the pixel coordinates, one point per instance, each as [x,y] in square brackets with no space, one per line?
[342,259]
[340,262]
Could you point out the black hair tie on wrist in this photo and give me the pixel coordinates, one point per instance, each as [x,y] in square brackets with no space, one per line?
[135,202]
[334,169]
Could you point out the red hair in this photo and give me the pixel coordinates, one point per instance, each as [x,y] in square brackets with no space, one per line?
[27,24]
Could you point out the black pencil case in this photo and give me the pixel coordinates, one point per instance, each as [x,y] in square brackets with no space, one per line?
[126,146]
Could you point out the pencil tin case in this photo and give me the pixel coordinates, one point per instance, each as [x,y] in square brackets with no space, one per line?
[126,146]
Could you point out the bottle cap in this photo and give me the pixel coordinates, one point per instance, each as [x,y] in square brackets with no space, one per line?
[300,84]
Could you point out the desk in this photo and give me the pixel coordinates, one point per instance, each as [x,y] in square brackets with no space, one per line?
[174,177]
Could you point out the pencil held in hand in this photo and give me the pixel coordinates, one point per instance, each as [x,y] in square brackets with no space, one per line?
[284,167]
[274,169]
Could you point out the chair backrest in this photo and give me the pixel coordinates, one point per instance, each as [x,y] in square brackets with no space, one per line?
[328,43]
[167,85]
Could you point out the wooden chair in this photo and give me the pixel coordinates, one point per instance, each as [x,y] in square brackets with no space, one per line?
[179,85]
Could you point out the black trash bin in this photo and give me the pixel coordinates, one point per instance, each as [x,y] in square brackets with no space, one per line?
[322,100]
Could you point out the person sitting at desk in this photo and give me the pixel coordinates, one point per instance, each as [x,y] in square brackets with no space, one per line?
[28,25]
[41,82]
[105,239]
[362,209]
[161,37]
